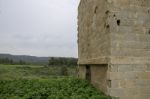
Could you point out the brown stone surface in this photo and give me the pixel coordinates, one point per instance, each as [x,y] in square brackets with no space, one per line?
[99,77]
[116,33]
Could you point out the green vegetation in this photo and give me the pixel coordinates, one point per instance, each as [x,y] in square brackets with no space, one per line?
[61,88]
[33,60]
[44,82]
[8,61]
[8,72]
[53,61]
[59,61]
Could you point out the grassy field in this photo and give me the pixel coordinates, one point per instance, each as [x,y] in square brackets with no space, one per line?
[8,72]
[42,82]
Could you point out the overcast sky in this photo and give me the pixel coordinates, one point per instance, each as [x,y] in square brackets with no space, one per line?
[39,27]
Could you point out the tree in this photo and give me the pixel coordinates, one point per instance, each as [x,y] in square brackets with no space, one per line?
[64,71]
[21,62]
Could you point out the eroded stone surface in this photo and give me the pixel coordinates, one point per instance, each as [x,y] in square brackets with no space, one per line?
[116,33]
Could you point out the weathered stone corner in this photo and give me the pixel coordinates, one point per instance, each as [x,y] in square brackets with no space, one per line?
[114,46]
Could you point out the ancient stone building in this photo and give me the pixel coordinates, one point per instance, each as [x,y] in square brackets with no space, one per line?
[114,46]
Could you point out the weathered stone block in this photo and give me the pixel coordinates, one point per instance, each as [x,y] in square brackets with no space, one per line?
[142,83]
[143,75]
[140,68]
[115,75]
[125,68]
[131,83]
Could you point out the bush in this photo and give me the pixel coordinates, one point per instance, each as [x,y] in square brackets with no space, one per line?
[64,71]
[60,88]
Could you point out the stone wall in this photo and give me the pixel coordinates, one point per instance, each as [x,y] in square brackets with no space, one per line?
[129,81]
[93,36]
[99,77]
[116,33]
[129,22]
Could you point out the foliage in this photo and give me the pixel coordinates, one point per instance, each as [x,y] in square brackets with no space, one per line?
[59,61]
[33,60]
[62,88]
[31,71]
[8,61]
[42,82]
[53,61]
[64,71]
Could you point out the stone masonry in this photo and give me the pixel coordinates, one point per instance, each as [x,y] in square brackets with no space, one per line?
[114,46]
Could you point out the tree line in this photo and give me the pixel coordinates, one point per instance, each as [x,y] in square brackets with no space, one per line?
[53,61]
[8,61]
[62,61]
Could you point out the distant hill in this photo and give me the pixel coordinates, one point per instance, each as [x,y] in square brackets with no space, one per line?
[28,59]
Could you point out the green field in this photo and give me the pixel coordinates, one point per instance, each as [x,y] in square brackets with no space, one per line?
[41,82]
[8,72]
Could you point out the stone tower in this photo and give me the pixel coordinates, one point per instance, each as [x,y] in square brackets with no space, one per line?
[114,46]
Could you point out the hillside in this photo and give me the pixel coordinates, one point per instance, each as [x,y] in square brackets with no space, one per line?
[31,59]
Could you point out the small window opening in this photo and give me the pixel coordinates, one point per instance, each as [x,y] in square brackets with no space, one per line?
[107,12]
[95,11]
[109,83]
[114,15]
[118,22]
[88,73]
[107,26]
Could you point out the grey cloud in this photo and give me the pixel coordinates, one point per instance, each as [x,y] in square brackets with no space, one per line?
[39,27]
